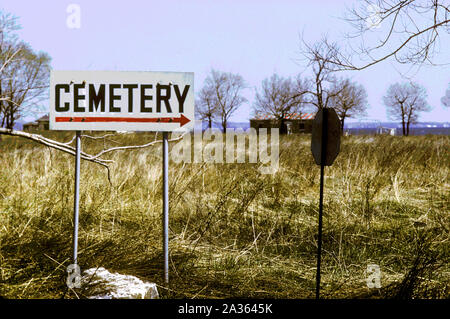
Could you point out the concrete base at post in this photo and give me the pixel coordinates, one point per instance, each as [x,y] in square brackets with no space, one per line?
[106,285]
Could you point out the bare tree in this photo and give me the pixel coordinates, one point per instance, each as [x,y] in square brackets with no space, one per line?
[446,98]
[279,97]
[227,93]
[411,31]
[23,84]
[404,102]
[206,105]
[319,56]
[350,100]
[24,74]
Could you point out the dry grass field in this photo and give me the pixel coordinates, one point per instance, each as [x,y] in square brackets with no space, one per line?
[233,231]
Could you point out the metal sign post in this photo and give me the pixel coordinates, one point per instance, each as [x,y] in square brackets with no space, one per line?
[165,153]
[325,144]
[322,168]
[76,199]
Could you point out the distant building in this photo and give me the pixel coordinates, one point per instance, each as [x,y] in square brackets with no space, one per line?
[386,130]
[292,123]
[40,124]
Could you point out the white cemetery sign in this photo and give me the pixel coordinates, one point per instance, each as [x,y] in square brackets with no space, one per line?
[121,101]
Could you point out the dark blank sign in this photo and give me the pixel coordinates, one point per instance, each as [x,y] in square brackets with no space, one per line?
[332,137]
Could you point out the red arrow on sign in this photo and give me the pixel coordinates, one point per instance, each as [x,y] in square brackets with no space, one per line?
[182,119]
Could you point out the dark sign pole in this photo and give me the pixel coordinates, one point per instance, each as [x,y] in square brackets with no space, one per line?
[323,156]
[325,144]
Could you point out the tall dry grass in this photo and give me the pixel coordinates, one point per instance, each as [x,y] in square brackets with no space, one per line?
[233,231]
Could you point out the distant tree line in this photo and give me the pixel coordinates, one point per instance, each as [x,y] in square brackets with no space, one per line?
[222,95]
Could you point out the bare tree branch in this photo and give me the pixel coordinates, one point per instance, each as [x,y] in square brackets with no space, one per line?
[53,144]
[129,147]
[64,147]
[413,30]
[320,57]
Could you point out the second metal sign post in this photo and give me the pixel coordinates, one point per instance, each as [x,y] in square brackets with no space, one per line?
[165,173]
[325,144]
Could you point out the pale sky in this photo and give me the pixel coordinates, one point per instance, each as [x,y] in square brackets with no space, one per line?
[254,38]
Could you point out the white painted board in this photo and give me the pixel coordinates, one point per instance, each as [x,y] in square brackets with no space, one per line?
[121,101]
